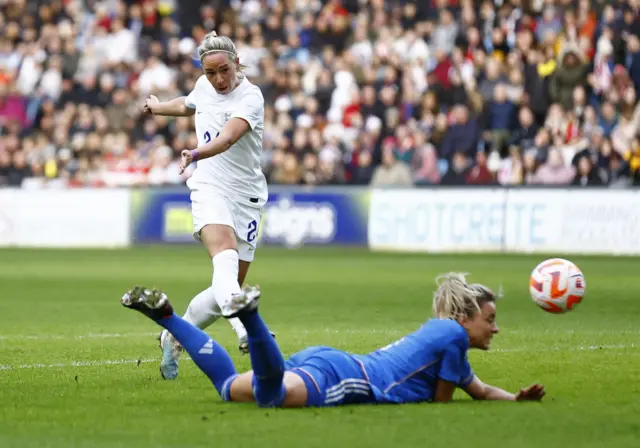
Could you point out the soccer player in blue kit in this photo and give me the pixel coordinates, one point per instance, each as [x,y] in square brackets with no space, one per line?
[426,365]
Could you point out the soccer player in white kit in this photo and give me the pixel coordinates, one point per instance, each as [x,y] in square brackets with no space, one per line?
[228,188]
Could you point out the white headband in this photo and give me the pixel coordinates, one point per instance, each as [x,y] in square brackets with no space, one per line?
[218,51]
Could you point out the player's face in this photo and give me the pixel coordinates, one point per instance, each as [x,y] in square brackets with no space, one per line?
[482,326]
[220,71]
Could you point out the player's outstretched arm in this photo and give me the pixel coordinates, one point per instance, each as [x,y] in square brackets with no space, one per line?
[481,391]
[174,108]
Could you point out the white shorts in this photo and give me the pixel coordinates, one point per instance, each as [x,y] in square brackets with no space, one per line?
[214,207]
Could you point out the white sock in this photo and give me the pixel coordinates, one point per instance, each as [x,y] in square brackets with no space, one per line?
[203,309]
[238,327]
[225,283]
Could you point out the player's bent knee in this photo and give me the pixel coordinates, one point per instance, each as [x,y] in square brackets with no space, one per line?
[295,391]
[225,390]
[240,389]
[217,238]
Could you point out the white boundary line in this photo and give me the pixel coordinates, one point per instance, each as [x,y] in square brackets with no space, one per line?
[347,331]
[20,337]
[115,362]
[107,362]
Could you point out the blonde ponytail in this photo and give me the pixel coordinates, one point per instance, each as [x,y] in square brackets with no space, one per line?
[455,299]
[212,43]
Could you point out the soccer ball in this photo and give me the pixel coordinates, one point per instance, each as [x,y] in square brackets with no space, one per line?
[557,285]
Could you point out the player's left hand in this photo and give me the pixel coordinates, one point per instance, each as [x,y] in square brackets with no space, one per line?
[534,392]
[187,158]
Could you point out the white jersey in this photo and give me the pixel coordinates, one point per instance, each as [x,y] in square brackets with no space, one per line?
[237,172]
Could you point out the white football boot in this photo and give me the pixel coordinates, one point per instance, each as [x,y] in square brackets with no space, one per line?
[171,351]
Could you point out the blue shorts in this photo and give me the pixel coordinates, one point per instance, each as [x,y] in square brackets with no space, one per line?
[332,377]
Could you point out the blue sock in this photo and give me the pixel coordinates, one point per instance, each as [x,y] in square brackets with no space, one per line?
[266,360]
[206,353]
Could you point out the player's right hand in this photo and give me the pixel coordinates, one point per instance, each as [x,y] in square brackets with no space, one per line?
[186,157]
[534,392]
[149,103]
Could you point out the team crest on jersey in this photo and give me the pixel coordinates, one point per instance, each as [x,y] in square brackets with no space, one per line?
[226,116]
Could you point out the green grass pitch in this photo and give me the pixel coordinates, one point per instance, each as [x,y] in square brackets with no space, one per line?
[79,370]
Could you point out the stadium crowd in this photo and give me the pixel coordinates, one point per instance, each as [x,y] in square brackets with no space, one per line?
[404,92]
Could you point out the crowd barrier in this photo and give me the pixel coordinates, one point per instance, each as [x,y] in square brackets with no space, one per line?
[65,218]
[291,217]
[548,220]
[506,220]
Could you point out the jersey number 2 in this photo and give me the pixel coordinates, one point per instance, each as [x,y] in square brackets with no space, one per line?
[252,231]
[207,136]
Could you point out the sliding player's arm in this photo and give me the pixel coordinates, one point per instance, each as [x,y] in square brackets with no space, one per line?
[455,371]
[444,391]
[481,391]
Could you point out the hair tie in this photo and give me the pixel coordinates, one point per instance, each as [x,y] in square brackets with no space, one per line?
[217,51]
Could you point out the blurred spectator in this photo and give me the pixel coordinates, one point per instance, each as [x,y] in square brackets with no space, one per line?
[633,158]
[391,172]
[569,73]
[499,117]
[525,132]
[425,162]
[554,171]
[458,170]
[479,174]
[380,93]
[462,135]
[586,175]
[289,172]
[511,168]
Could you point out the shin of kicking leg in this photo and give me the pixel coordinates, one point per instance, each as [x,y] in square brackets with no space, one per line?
[225,276]
[220,241]
[203,309]
[225,283]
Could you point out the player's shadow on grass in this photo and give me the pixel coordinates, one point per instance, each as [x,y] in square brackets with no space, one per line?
[223,407]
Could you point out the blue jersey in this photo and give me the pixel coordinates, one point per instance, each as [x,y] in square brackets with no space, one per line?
[407,370]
